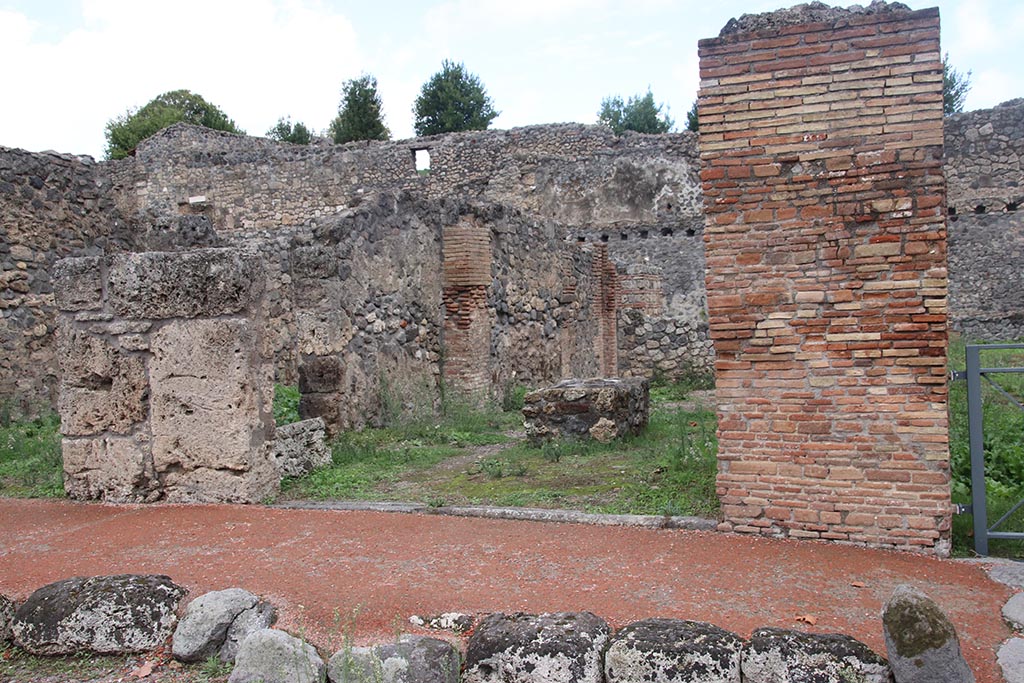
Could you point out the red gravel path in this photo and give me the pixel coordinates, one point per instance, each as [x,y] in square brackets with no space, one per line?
[319,565]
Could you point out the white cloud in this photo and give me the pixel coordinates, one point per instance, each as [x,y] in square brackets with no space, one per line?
[257,60]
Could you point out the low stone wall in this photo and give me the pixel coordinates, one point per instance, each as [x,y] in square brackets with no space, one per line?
[165,390]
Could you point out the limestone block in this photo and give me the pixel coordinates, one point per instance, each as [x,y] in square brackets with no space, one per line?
[921,641]
[301,447]
[211,624]
[783,655]
[413,659]
[554,648]
[78,283]
[123,613]
[103,388]
[664,650]
[114,469]
[211,421]
[271,656]
[204,282]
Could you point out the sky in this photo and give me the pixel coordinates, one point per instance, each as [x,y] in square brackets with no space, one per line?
[70,66]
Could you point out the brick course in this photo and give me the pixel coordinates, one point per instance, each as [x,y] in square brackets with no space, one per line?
[825,241]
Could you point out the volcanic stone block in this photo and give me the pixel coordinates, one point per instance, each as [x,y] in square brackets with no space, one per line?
[123,613]
[603,409]
[7,609]
[271,656]
[301,447]
[664,650]
[110,468]
[215,623]
[413,659]
[211,431]
[782,655]
[204,282]
[520,648]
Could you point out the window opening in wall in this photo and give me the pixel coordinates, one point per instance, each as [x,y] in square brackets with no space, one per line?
[667,232]
[644,234]
[604,238]
[422,159]
[623,236]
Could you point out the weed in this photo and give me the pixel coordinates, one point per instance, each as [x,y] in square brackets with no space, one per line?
[286,404]
[30,457]
[212,667]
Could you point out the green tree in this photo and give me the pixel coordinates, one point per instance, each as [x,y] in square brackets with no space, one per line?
[359,115]
[125,132]
[955,86]
[453,100]
[284,131]
[692,120]
[639,114]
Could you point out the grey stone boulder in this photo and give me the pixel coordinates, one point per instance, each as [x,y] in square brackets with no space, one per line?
[921,641]
[215,624]
[116,614]
[664,650]
[1013,611]
[413,659]
[272,656]
[301,447]
[7,610]
[774,654]
[1011,660]
[527,648]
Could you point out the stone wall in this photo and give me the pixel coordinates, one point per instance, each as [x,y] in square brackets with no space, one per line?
[51,206]
[166,390]
[821,136]
[984,157]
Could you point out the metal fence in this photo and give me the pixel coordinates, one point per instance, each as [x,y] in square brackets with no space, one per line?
[975,374]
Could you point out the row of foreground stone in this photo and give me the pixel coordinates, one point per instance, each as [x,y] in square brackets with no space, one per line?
[131,613]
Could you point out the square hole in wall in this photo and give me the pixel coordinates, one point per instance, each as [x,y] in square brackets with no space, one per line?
[422,159]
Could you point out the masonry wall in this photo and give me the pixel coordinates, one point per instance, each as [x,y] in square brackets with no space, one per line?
[166,392]
[821,137]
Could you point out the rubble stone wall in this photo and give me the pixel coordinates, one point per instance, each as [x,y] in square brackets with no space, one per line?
[826,255]
[166,390]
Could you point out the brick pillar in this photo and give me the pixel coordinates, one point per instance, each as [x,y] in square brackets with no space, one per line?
[826,276]
[466,252]
[606,277]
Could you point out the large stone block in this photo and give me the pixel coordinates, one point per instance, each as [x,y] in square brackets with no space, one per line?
[775,654]
[921,641]
[78,283]
[211,420]
[301,447]
[106,614]
[598,408]
[110,468]
[665,650]
[205,282]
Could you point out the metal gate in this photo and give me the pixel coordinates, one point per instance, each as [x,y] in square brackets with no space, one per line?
[975,374]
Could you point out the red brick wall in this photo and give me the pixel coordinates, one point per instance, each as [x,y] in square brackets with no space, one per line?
[826,278]
[607,279]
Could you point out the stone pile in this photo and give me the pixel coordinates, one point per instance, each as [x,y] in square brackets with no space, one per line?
[599,408]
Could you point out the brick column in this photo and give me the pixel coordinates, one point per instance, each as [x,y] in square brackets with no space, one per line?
[466,252]
[607,278]
[826,275]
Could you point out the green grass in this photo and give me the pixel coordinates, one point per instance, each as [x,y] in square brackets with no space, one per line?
[1004,450]
[30,457]
[286,404]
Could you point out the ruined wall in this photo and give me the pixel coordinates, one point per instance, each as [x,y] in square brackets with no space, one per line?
[821,136]
[166,390]
[579,175]
[51,206]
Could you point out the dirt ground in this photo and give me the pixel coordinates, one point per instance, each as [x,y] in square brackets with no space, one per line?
[337,575]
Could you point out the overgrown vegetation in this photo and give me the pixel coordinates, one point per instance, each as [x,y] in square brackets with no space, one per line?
[30,459]
[639,113]
[471,456]
[1004,449]
[286,404]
